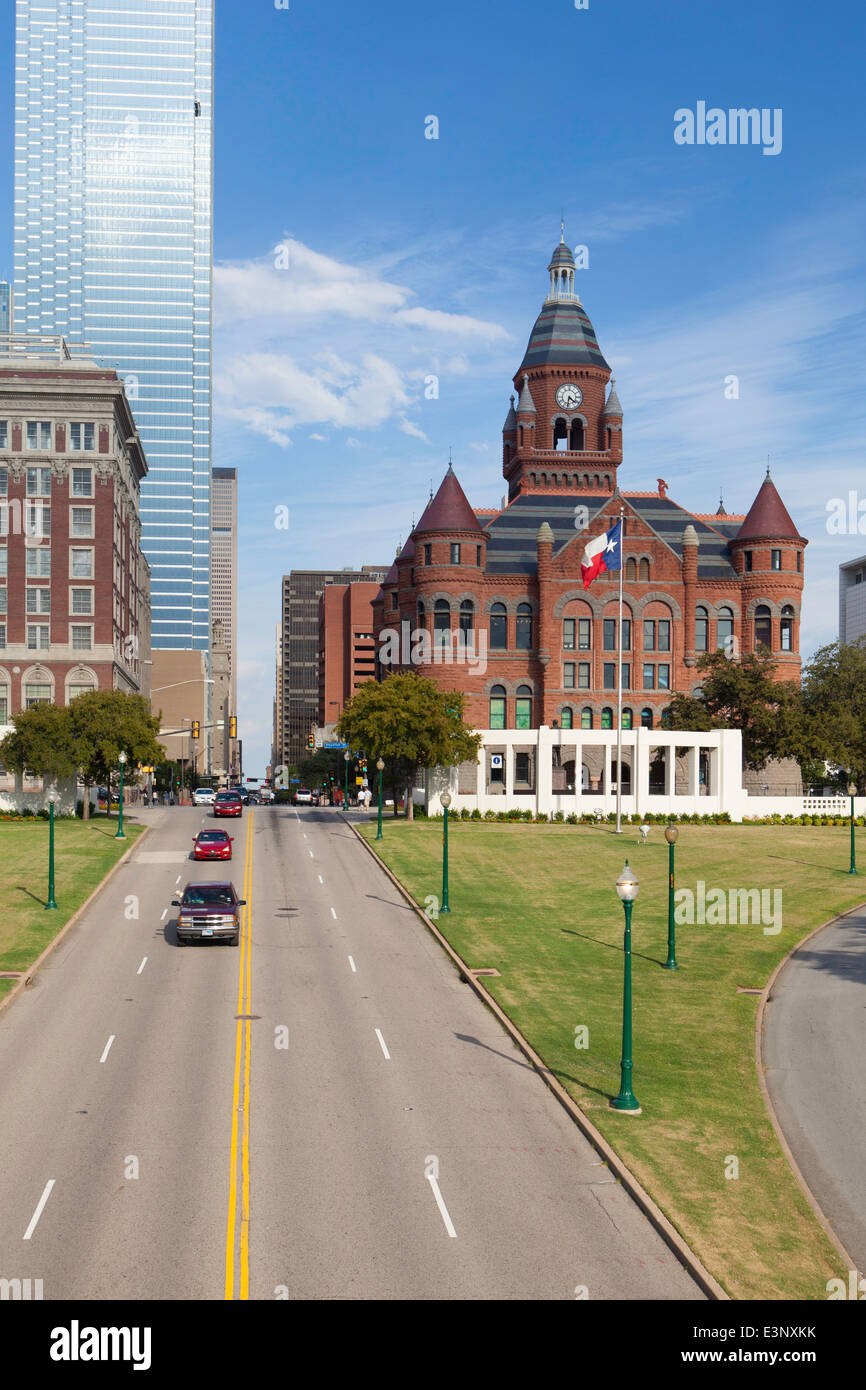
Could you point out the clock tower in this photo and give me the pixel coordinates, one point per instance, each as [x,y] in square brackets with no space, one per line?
[565,432]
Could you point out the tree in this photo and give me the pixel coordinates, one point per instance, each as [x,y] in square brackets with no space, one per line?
[42,743]
[106,721]
[407,716]
[834,705]
[743,695]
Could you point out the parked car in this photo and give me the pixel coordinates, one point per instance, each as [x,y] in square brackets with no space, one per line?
[209,912]
[303,796]
[227,804]
[203,796]
[212,844]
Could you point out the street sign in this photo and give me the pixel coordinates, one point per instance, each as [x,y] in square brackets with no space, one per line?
[335,745]
[359,782]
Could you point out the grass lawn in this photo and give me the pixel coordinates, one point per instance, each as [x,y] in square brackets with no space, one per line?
[83,854]
[538,903]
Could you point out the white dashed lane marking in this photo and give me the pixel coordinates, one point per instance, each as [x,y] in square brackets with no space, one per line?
[39,1210]
[108,1047]
[382,1045]
[141,967]
[353,965]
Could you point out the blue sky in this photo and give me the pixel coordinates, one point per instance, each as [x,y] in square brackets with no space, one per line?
[408,256]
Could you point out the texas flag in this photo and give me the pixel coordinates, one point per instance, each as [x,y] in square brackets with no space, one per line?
[602,553]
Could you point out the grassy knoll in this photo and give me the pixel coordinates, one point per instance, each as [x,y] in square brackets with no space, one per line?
[538,903]
[83,854]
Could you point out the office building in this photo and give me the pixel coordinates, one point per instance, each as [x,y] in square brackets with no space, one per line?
[113,245]
[852,600]
[347,650]
[7,305]
[224,567]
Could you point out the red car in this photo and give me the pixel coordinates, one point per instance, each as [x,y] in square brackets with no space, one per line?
[212,844]
[228,804]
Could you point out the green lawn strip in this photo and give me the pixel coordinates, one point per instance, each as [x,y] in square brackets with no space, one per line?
[538,903]
[83,855]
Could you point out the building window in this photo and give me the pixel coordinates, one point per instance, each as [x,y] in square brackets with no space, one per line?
[394,600]
[76,690]
[568,675]
[763,626]
[609,676]
[36,695]
[786,632]
[455,552]
[609,637]
[775,559]
[4,704]
[747,561]
[4,557]
[643,570]
[498,629]
[478,556]
[523,639]
[584,675]
[467,617]
[701,629]
[4,435]
[37,562]
[626,675]
[664,677]
[584,634]
[497,707]
[37,637]
[38,434]
[586,718]
[522,766]
[649,677]
[82,601]
[81,522]
[38,482]
[631,568]
[81,435]
[81,562]
[627,719]
[523,708]
[607,717]
[82,637]
[649,635]
[428,555]
[664,634]
[2,634]
[566,717]
[4,475]
[37,520]
[725,628]
[646,718]
[82,482]
[441,623]
[568,626]
[799,561]
[38,600]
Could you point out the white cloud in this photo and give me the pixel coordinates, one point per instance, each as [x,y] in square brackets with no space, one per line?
[408,427]
[460,324]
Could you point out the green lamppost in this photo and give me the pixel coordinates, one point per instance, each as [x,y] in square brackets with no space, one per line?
[852,792]
[120,835]
[347,758]
[51,903]
[380,765]
[445,798]
[626,1101]
[671,834]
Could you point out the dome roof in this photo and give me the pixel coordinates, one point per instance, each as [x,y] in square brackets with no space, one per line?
[563,333]
[768,517]
[561,256]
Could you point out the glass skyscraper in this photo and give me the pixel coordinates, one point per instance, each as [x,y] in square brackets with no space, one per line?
[113,245]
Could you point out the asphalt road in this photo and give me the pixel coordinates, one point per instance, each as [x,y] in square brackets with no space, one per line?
[325,1111]
[815,1059]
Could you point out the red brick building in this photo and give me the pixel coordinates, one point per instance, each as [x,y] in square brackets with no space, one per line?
[347,649]
[74,585]
[511,580]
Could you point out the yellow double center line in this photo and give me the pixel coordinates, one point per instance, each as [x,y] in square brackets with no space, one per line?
[241,1099]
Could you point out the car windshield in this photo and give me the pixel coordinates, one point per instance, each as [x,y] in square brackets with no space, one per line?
[215,837]
[227,796]
[208,894]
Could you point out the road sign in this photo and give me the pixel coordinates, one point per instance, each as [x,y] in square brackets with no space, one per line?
[335,745]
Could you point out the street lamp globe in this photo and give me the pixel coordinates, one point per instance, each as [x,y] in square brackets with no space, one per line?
[121,757]
[852,788]
[445,798]
[380,763]
[671,834]
[347,757]
[627,885]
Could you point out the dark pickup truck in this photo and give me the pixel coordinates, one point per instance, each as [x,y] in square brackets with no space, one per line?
[209,912]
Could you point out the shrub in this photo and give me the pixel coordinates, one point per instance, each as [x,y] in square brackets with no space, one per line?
[559,816]
[490,815]
[572,818]
[476,814]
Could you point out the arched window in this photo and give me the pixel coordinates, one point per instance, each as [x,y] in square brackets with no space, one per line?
[560,434]
[725,628]
[786,633]
[498,628]
[607,717]
[566,717]
[643,569]
[497,707]
[523,708]
[420,614]
[701,629]
[467,618]
[646,718]
[576,440]
[627,719]
[631,568]
[763,626]
[586,718]
[441,622]
[523,636]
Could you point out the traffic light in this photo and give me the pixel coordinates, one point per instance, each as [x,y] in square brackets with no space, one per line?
[196,728]
[311,742]
[233,726]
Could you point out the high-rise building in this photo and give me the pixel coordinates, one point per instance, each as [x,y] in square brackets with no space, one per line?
[7,304]
[298,690]
[852,600]
[113,245]
[347,651]
[224,566]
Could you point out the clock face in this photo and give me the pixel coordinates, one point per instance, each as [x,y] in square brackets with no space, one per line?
[569,396]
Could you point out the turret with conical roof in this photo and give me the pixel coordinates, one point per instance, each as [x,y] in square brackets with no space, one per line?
[767,553]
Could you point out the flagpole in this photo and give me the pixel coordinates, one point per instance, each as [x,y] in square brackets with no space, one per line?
[619,679]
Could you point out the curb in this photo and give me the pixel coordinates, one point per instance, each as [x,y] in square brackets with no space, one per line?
[27,978]
[668,1232]
[765,999]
